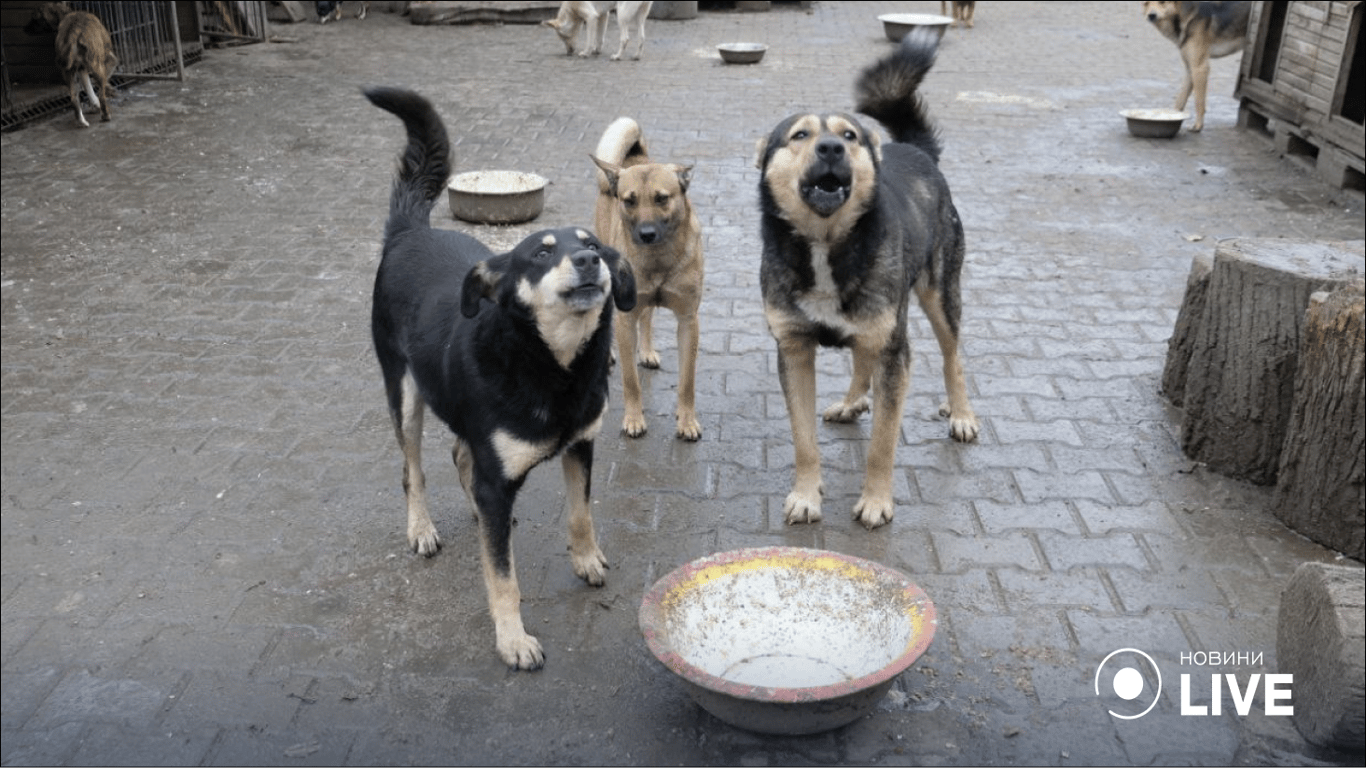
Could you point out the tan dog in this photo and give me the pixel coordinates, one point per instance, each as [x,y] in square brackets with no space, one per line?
[1201,30]
[643,211]
[84,50]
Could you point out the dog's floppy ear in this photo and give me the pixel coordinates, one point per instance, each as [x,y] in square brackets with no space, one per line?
[623,280]
[480,283]
[607,180]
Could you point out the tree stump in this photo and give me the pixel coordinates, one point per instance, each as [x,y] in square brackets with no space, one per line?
[1240,380]
[1182,342]
[1319,488]
[1321,640]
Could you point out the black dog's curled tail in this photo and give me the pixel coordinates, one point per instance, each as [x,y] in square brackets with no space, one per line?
[425,165]
[886,91]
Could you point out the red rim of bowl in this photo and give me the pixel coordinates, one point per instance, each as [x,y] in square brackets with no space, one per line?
[652,625]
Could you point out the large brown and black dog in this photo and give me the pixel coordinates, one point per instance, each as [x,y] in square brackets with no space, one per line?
[1201,30]
[512,351]
[84,51]
[643,212]
[852,226]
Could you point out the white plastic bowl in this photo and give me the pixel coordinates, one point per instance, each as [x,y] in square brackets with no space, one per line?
[898,25]
[1154,123]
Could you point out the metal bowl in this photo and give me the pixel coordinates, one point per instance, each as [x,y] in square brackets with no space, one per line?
[1154,123]
[496,197]
[787,640]
[742,53]
[898,25]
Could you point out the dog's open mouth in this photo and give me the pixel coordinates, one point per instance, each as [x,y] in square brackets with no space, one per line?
[585,296]
[826,192]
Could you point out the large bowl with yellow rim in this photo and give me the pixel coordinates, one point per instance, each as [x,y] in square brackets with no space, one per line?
[787,640]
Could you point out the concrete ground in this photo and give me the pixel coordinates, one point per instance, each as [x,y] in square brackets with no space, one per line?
[203,531]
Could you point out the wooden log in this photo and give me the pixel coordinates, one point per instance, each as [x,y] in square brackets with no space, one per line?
[1320,484]
[1182,341]
[1321,641]
[1240,381]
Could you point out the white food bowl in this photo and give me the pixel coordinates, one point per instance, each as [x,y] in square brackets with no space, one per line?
[787,640]
[1154,123]
[898,25]
[741,53]
[496,197]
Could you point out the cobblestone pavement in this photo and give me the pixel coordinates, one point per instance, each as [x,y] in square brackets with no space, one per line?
[203,536]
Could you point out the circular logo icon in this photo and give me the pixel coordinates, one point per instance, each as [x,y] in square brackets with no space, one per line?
[1124,678]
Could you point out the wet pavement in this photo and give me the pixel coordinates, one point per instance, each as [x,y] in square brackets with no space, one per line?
[203,528]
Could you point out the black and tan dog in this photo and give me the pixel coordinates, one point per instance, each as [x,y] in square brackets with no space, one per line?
[84,51]
[1202,31]
[852,226]
[643,211]
[512,351]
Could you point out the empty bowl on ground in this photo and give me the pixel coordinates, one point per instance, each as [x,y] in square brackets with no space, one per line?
[496,197]
[787,640]
[742,53]
[898,25]
[1154,123]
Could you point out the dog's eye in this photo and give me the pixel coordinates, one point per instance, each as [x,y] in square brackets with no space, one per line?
[661,199]
[590,245]
[850,136]
[543,254]
[629,202]
[799,135]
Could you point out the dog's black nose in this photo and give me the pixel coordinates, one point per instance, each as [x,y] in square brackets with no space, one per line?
[830,149]
[1152,17]
[585,258]
[648,234]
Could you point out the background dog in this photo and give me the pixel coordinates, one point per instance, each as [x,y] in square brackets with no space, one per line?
[1201,31]
[963,11]
[851,226]
[332,10]
[643,211]
[84,51]
[512,351]
[631,18]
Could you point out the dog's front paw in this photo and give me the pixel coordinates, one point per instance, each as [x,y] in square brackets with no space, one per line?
[963,428]
[802,507]
[845,411]
[633,425]
[591,567]
[1199,126]
[521,651]
[874,513]
[649,359]
[688,427]
[423,539]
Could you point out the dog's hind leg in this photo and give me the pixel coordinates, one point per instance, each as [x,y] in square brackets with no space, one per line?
[645,327]
[73,84]
[633,422]
[855,400]
[963,424]
[797,374]
[589,562]
[422,536]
